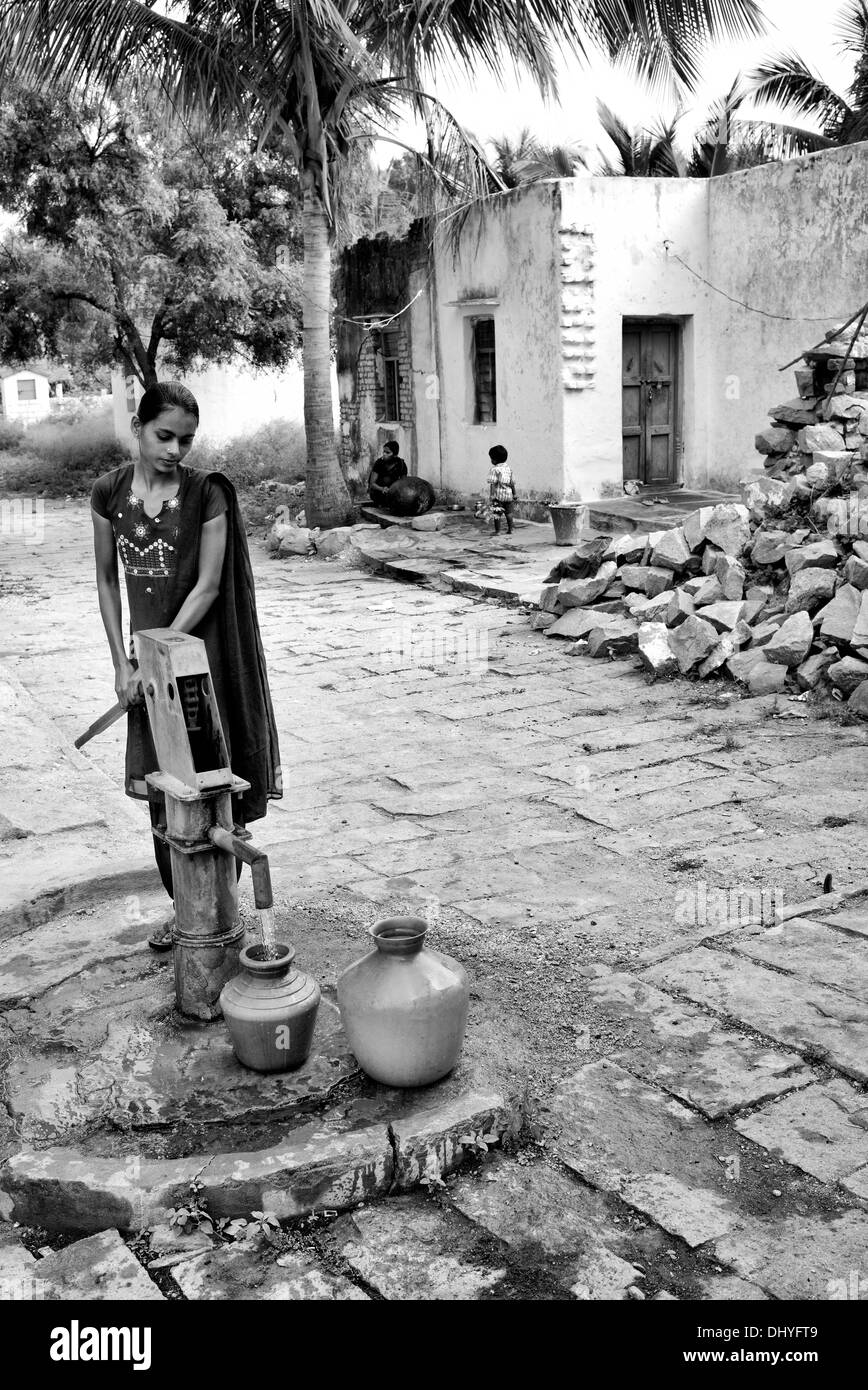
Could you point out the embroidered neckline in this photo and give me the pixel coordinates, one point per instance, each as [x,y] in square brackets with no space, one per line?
[171,503]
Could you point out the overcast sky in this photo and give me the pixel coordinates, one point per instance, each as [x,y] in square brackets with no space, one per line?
[490,110]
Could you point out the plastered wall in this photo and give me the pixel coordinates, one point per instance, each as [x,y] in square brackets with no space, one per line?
[509,253]
[791,239]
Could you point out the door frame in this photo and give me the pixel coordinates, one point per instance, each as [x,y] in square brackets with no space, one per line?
[677,322]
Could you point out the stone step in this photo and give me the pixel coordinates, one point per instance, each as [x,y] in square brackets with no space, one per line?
[370,1147]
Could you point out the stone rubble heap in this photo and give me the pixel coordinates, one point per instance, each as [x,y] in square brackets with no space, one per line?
[771,591]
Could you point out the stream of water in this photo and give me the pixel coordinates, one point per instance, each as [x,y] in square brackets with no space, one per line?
[266,929]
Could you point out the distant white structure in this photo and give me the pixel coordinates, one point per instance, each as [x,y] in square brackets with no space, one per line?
[233,400]
[25,394]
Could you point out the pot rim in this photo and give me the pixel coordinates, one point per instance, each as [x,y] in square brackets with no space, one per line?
[398,929]
[250,960]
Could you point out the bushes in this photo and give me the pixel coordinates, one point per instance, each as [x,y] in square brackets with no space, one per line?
[67,452]
[11,436]
[62,455]
[275,452]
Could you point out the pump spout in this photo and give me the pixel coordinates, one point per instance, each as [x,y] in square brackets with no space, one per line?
[259,867]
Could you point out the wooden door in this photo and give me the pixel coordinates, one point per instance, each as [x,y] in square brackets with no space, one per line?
[649,399]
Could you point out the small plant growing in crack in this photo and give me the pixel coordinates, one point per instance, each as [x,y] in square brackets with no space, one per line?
[262,1223]
[479,1143]
[194,1214]
[523,1126]
[432,1178]
[232,1227]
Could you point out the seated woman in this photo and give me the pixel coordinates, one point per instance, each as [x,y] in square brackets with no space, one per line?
[387,469]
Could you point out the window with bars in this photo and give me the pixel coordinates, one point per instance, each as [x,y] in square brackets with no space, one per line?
[484,372]
[391,376]
[27,388]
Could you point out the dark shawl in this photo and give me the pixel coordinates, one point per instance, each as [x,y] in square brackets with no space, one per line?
[230,631]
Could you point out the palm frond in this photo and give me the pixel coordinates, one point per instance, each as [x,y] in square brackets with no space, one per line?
[96,44]
[464,33]
[851,27]
[789,81]
[662,41]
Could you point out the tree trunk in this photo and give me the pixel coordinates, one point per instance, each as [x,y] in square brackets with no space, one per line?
[326,498]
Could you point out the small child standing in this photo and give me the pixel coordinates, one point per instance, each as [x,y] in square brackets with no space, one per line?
[501,488]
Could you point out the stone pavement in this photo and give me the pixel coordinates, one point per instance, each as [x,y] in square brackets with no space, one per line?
[594,849]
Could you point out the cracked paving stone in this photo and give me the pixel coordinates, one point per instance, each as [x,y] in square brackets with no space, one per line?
[100,1267]
[823,1130]
[800,1256]
[626,1137]
[833,1026]
[249,1271]
[678,1047]
[410,1248]
[543,1216]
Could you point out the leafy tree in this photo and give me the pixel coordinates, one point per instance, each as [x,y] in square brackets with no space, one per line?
[138,249]
[320,75]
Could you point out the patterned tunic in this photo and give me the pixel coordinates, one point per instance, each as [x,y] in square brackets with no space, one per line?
[148,546]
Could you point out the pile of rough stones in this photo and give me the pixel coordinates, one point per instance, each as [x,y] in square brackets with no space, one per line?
[735,590]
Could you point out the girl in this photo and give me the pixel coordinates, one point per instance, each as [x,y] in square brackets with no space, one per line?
[186,563]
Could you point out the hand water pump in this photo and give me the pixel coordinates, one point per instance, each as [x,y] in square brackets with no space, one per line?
[198,784]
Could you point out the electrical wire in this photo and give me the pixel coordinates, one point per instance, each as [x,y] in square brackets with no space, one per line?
[788,318]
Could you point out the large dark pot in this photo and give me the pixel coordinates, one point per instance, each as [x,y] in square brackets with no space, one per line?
[404,1008]
[411,497]
[270,1009]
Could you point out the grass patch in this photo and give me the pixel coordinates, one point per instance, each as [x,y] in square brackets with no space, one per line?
[61,456]
[64,455]
[275,453]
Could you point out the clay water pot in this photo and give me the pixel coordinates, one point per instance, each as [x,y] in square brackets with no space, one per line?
[270,1009]
[411,497]
[404,1007]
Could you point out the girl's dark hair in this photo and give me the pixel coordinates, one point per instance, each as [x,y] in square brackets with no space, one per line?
[391,445]
[164,396]
[498,454]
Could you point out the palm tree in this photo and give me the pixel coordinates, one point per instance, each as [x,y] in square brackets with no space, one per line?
[321,75]
[527,160]
[788,80]
[642,153]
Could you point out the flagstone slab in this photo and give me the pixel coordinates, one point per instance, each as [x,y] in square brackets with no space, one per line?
[679,1047]
[247,1271]
[812,952]
[832,1026]
[626,1137]
[809,1257]
[852,920]
[18,1273]
[411,1249]
[78,940]
[99,1268]
[542,1215]
[823,1130]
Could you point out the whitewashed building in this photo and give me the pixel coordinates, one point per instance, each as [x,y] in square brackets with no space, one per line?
[602,329]
[25,394]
